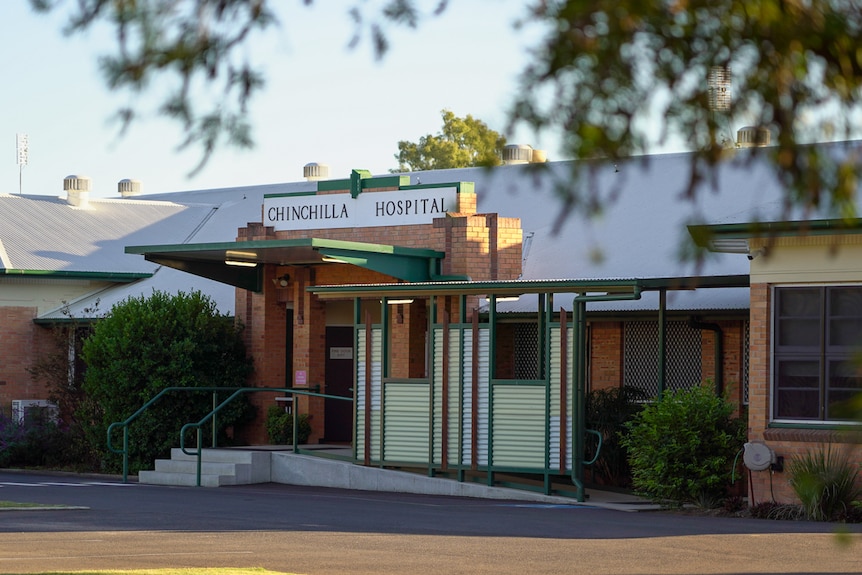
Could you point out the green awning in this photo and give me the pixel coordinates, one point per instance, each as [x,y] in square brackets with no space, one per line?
[241,263]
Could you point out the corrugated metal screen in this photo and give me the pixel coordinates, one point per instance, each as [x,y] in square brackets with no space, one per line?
[555,383]
[519,426]
[376,366]
[467,403]
[405,422]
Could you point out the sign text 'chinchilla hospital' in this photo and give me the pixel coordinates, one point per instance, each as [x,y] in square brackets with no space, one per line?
[327,211]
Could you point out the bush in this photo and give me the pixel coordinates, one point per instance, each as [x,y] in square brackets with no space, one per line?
[681,449]
[824,480]
[608,411]
[147,344]
[279,426]
[39,441]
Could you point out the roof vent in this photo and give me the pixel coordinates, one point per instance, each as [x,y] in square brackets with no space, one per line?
[314,172]
[517,154]
[539,157]
[128,188]
[753,137]
[77,190]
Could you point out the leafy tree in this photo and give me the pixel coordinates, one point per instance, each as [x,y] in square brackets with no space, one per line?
[607,67]
[146,344]
[607,75]
[463,142]
[681,448]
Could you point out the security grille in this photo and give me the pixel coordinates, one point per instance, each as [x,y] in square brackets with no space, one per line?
[526,351]
[682,351]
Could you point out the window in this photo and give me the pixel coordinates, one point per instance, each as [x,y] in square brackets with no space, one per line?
[817,331]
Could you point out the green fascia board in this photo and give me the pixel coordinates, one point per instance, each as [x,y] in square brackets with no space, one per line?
[118,277]
[78,321]
[461,187]
[400,182]
[704,233]
[313,243]
[289,195]
[365,183]
[208,260]
[405,267]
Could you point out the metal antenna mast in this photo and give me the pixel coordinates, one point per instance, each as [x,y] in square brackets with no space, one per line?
[23,148]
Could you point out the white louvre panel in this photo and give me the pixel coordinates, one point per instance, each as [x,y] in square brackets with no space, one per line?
[376,365]
[555,398]
[519,426]
[455,363]
[405,422]
[483,363]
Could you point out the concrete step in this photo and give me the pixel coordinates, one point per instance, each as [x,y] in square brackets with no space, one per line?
[218,467]
[181,479]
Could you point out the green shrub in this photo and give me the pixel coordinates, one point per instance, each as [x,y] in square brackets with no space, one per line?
[39,441]
[607,412]
[824,480]
[279,426]
[146,344]
[681,449]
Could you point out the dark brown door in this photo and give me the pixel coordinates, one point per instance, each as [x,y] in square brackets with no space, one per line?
[338,414]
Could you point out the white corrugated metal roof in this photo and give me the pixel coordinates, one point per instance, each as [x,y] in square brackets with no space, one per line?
[638,233]
[43,233]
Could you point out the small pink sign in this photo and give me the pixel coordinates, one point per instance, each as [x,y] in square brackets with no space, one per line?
[301,377]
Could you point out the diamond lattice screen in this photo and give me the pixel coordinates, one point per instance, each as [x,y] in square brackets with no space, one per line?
[683,352]
[526,351]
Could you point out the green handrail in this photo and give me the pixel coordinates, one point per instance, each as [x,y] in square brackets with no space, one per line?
[237,391]
[198,453]
[598,447]
[125,423]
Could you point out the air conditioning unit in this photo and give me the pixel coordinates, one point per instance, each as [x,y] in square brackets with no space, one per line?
[24,410]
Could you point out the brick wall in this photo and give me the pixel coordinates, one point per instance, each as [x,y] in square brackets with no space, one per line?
[784,442]
[481,246]
[606,355]
[21,343]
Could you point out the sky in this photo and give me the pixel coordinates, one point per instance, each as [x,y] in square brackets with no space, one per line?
[323,101]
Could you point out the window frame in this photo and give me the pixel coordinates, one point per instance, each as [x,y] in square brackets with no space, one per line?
[826,355]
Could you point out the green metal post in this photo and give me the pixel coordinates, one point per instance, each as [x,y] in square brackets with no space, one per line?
[215,426]
[125,454]
[200,440]
[662,341]
[579,411]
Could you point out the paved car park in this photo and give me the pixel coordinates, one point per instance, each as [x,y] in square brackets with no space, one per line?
[314,530]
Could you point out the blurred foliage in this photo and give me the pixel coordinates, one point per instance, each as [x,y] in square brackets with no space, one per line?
[146,344]
[462,142]
[615,78]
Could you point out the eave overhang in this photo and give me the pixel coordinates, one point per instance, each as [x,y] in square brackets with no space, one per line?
[115,277]
[241,263]
[502,288]
[734,238]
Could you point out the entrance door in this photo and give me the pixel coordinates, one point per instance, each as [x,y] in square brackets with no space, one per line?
[338,414]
